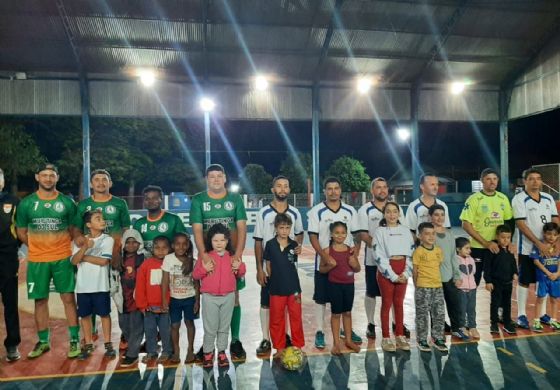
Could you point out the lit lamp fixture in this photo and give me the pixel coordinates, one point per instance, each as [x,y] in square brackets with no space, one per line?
[206,104]
[147,77]
[457,87]
[261,83]
[403,133]
[364,84]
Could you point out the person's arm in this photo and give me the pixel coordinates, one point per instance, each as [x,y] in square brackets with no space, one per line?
[164,289]
[78,257]
[268,268]
[196,285]
[488,262]
[383,263]
[261,277]
[354,263]
[523,228]
[241,226]
[490,245]
[541,267]
[414,274]
[101,261]
[22,235]
[314,240]
[140,291]
[326,264]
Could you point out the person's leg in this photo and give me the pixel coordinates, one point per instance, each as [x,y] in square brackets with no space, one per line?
[452,303]
[210,317]
[347,323]
[135,334]
[422,312]
[164,327]
[150,329]
[175,339]
[335,327]
[398,301]
[224,319]
[106,326]
[495,301]
[42,315]
[372,291]
[471,309]
[478,256]
[264,312]
[86,329]
[387,290]
[124,325]
[236,319]
[506,303]
[191,332]
[9,291]
[462,312]
[277,321]
[527,275]
[296,326]
[438,314]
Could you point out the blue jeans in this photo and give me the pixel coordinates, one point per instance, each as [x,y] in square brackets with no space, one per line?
[132,327]
[468,308]
[152,323]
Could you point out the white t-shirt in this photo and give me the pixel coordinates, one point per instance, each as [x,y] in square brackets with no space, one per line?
[180,286]
[390,242]
[368,221]
[320,217]
[417,213]
[92,278]
[535,213]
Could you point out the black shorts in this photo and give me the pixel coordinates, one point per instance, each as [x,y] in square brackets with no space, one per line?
[372,288]
[265,296]
[321,289]
[98,303]
[341,297]
[527,270]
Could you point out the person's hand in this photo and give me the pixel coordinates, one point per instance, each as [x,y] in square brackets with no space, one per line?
[261,278]
[237,257]
[196,306]
[90,243]
[235,264]
[80,241]
[493,247]
[208,265]
[297,250]
[332,261]
[544,249]
[489,287]
[553,276]
[514,276]
[164,309]
[458,283]
[402,279]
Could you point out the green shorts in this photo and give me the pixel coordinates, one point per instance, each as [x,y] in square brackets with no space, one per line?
[39,277]
[240,284]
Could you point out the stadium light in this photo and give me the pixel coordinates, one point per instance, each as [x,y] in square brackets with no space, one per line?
[457,87]
[364,84]
[234,187]
[206,104]
[147,77]
[261,83]
[403,133]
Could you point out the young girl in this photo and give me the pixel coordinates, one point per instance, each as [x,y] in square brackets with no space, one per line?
[177,276]
[393,244]
[218,279]
[467,266]
[341,266]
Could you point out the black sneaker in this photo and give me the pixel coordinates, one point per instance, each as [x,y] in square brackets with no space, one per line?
[288,341]
[370,333]
[199,356]
[110,351]
[129,361]
[86,352]
[13,354]
[510,328]
[236,350]
[264,348]
[494,329]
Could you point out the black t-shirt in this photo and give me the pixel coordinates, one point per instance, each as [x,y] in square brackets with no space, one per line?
[284,278]
[8,240]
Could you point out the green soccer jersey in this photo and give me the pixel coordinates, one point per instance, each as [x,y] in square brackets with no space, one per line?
[209,211]
[166,224]
[486,213]
[47,221]
[115,214]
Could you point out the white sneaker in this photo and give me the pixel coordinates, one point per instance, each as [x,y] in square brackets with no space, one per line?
[388,345]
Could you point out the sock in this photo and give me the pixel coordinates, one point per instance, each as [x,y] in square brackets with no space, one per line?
[43,335]
[369,304]
[320,316]
[542,309]
[235,323]
[93,324]
[521,300]
[74,332]
[265,320]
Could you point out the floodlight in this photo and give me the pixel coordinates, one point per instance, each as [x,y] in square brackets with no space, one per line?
[147,77]
[364,84]
[207,104]
[234,187]
[457,87]
[403,133]
[261,83]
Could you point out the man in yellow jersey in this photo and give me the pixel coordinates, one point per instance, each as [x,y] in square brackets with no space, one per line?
[43,223]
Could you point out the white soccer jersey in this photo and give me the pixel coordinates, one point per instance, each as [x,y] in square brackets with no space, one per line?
[264,228]
[417,213]
[535,213]
[368,221]
[320,217]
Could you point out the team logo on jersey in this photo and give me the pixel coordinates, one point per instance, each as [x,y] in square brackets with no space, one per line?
[228,205]
[217,206]
[110,209]
[48,205]
[58,207]
[163,227]
[484,208]
[502,206]
[495,215]
[8,208]
[152,227]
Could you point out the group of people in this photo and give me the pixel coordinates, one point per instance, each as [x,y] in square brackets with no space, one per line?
[158,277]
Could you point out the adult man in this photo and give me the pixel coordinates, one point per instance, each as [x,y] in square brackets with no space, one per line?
[531,210]
[484,211]
[9,266]
[43,224]
[217,205]
[320,218]
[264,231]
[158,222]
[417,211]
[369,216]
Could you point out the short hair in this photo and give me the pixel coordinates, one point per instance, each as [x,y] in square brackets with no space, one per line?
[376,180]
[215,168]
[89,215]
[529,171]
[425,175]
[489,171]
[152,188]
[434,207]
[425,225]
[503,229]
[161,239]
[460,242]
[279,177]
[336,224]
[282,219]
[329,180]
[551,227]
[99,172]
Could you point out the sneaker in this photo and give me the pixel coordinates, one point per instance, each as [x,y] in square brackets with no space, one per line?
[129,361]
[545,320]
[370,332]
[75,350]
[423,346]
[320,340]
[494,329]
[355,338]
[402,344]
[264,348]
[85,352]
[555,325]
[110,351]
[288,341]
[537,326]
[523,322]
[163,358]
[405,330]
[236,350]
[510,328]
[474,333]
[222,359]
[460,334]
[388,345]
[40,348]
[150,357]
[13,354]
[199,356]
[440,345]
[208,361]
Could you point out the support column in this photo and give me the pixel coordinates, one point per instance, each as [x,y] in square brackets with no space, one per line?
[503,108]
[315,117]
[207,139]
[84,98]
[414,142]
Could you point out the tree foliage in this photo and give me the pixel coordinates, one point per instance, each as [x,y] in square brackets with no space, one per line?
[351,173]
[255,179]
[298,168]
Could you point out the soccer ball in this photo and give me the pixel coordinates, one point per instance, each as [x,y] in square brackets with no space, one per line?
[293,359]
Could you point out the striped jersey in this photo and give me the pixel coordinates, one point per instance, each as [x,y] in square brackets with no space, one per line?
[417,213]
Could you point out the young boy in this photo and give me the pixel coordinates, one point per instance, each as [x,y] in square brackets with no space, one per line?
[92,282]
[500,270]
[284,286]
[548,276]
[149,302]
[426,262]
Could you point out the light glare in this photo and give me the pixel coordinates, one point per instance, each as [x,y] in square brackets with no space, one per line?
[147,77]
[234,188]
[364,85]
[261,83]
[207,104]
[457,87]
[403,133]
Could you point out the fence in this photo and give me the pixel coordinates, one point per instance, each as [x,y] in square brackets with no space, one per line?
[551,179]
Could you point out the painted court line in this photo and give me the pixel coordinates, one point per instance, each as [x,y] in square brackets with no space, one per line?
[536,368]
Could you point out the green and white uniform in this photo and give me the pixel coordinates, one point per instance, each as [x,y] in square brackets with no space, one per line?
[166,224]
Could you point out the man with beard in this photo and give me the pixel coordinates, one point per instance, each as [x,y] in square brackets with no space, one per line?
[417,211]
[369,216]
[158,222]
[43,223]
[265,231]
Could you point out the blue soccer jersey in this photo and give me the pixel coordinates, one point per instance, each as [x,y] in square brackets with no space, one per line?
[550,263]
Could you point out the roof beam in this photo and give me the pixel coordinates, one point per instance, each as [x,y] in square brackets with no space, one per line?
[205,37]
[68,30]
[327,41]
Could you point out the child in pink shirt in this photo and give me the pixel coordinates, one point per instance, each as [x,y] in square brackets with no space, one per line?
[468,287]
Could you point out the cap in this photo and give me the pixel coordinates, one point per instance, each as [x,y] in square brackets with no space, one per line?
[215,167]
[47,166]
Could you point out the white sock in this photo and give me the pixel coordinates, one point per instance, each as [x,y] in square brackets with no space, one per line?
[522,293]
[542,309]
[265,320]
[369,304]
[320,316]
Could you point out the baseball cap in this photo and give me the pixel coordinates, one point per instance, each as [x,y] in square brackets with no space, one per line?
[47,166]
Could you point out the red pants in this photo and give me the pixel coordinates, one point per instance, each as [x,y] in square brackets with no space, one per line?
[278,305]
[392,294]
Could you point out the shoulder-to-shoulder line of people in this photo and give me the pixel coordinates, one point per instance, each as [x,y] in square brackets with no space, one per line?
[151,271]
